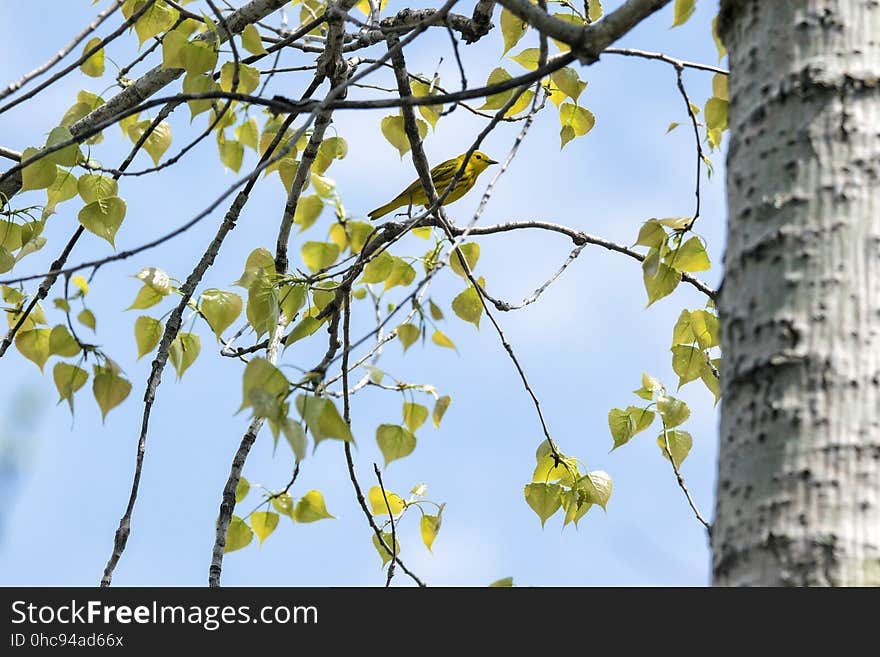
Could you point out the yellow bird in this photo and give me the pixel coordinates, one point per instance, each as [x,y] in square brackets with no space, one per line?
[441,175]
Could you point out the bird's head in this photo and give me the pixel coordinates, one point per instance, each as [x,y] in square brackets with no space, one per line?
[480,161]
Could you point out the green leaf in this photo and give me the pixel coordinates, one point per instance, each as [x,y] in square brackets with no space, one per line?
[331,149]
[642,416]
[192,56]
[291,299]
[158,141]
[311,508]
[34,345]
[548,471]
[94,65]
[392,544]
[597,486]
[408,334]
[576,122]
[705,328]
[414,415]
[719,45]
[155,278]
[307,211]
[109,388]
[663,284]
[568,81]
[652,234]
[199,83]
[260,374]
[440,407]
[262,308]
[378,269]
[103,217]
[690,256]
[87,318]
[394,441]
[682,332]
[431,113]
[39,175]
[264,523]
[498,100]
[183,352]
[575,504]
[69,155]
[521,104]
[471,253]
[62,343]
[710,378]
[402,273]
[155,20]
[306,327]
[720,86]
[378,505]
[10,235]
[241,489]
[319,255]
[394,131]
[512,29]
[436,313]
[672,410]
[250,39]
[231,152]
[146,298]
[7,260]
[238,535]
[594,11]
[68,379]
[63,189]
[220,309]
[296,438]
[81,283]
[439,338]
[622,425]
[687,362]
[248,133]
[259,263]
[683,10]
[469,306]
[528,58]
[505,582]
[716,114]
[544,499]
[680,443]
[283,503]
[429,527]
[322,418]
[248,79]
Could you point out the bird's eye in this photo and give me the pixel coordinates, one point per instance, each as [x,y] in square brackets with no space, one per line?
[479,157]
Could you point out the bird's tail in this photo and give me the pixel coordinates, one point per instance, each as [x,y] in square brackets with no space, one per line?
[381,211]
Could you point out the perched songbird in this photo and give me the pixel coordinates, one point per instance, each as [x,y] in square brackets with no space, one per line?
[441,175]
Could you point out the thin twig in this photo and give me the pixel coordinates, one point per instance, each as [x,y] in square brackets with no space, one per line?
[393,530]
[681,483]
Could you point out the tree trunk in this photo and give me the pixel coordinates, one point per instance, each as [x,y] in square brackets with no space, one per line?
[798,499]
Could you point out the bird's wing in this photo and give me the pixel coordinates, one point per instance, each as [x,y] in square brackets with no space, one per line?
[443,172]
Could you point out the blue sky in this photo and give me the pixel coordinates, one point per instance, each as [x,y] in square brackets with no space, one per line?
[583,346]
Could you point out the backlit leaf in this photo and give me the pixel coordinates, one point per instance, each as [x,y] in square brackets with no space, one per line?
[394,441]
[264,523]
[311,507]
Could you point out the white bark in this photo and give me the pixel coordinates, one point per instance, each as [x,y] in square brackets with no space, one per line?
[798,499]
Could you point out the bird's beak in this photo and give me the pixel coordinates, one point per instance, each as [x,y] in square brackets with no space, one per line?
[491,161]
